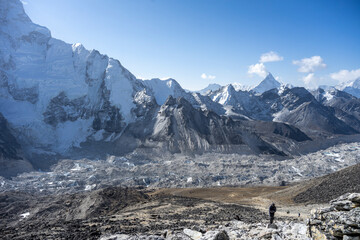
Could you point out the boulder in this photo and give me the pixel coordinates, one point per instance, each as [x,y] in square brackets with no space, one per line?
[273,225]
[195,235]
[340,221]
[222,236]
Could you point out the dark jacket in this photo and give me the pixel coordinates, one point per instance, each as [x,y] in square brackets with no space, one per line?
[272,209]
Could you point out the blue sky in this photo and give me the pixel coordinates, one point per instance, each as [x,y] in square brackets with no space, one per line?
[305,42]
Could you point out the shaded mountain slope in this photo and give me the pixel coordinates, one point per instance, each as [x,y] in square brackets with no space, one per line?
[326,188]
[11,155]
[182,128]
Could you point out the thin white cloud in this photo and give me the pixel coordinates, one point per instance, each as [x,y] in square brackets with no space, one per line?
[346,75]
[309,65]
[209,77]
[309,79]
[24,2]
[270,57]
[259,69]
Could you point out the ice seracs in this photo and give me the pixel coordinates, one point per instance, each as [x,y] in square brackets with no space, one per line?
[62,99]
[56,94]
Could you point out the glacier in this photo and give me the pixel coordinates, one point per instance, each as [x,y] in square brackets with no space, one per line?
[42,77]
[62,99]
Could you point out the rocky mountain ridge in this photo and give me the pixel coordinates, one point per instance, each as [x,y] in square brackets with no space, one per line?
[62,100]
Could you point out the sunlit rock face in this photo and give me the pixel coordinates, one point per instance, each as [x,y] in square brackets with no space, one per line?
[339,221]
[64,101]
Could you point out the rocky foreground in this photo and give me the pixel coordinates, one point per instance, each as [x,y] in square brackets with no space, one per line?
[110,211]
[123,213]
[339,221]
[233,230]
[193,213]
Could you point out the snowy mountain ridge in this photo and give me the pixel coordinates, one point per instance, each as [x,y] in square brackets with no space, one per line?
[58,98]
[266,84]
[352,87]
[43,77]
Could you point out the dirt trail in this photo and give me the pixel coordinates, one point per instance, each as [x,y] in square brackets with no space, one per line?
[258,197]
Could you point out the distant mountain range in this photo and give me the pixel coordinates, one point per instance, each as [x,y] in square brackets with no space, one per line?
[61,100]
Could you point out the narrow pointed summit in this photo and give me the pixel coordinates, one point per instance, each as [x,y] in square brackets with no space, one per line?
[268,83]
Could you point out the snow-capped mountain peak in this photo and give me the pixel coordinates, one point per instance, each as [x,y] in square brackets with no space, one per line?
[241,87]
[268,83]
[57,94]
[352,87]
[355,83]
[212,87]
[162,89]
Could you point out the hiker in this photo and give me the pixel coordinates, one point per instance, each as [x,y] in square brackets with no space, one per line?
[272,210]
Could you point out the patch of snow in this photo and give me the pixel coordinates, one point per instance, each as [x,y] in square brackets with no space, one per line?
[130,164]
[330,154]
[241,87]
[141,97]
[76,168]
[229,112]
[25,215]
[73,133]
[162,89]
[279,116]
[297,171]
[210,88]
[328,96]
[223,96]
[121,89]
[339,159]
[90,187]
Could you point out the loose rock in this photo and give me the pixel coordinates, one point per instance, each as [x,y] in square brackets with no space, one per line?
[341,220]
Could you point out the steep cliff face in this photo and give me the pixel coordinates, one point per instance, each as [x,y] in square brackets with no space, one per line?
[62,100]
[186,129]
[12,160]
[58,95]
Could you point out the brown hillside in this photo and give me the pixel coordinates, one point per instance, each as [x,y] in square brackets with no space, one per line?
[326,188]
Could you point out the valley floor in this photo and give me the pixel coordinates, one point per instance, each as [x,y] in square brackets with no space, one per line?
[174,195]
[259,197]
[99,214]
